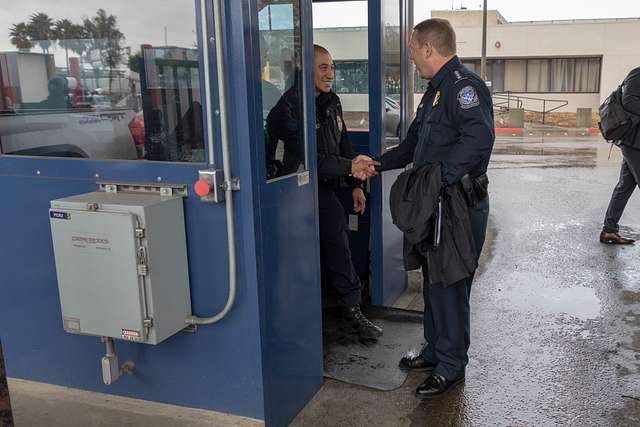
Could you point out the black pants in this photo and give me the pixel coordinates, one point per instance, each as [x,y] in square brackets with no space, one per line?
[447,312]
[335,256]
[629,180]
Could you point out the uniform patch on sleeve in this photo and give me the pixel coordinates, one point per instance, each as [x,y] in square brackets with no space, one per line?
[468,97]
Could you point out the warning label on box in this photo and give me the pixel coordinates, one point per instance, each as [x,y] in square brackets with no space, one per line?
[131,335]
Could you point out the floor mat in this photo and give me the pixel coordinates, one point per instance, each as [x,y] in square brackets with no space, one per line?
[372,365]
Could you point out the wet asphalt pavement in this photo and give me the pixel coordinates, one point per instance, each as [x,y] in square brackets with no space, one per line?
[555,314]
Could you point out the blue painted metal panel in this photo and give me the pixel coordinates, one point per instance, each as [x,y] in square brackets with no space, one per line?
[215,368]
[376,73]
[220,366]
[389,279]
[287,242]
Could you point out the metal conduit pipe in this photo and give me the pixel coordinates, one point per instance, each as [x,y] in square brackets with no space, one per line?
[226,162]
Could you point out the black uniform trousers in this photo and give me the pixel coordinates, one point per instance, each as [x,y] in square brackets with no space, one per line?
[447,312]
[335,256]
[629,180]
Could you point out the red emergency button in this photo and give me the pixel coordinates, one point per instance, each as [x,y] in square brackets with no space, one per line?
[203,188]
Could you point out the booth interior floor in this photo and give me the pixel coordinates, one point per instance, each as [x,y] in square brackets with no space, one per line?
[372,365]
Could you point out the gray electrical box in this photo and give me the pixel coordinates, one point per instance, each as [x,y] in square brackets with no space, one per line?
[121,261]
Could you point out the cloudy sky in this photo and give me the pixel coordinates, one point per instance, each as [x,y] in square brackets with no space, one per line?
[141,21]
[354,13]
[145,21]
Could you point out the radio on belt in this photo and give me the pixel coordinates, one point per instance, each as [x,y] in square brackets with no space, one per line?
[121,261]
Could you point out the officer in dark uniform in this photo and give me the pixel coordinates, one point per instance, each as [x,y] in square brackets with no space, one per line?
[453,126]
[337,167]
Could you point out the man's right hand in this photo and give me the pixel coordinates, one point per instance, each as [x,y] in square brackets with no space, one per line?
[363,167]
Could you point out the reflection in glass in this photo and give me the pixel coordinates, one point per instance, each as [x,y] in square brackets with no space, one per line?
[78,80]
[392,71]
[349,48]
[281,60]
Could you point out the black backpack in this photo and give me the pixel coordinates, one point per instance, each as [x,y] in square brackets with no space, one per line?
[615,122]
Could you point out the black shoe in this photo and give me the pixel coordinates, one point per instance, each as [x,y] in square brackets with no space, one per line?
[415,363]
[359,324]
[435,386]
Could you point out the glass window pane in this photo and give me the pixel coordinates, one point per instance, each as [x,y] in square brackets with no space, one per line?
[515,75]
[391,58]
[496,74]
[117,80]
[282,92]
[537,75]
[562,75]
[471,65]
[593,81]
[351,77]
[420,84]
[582,75]
[348,44]
[587,75]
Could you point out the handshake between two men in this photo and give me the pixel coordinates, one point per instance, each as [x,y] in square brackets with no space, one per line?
[363,167]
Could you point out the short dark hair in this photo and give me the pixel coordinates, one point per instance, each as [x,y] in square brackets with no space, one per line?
[319,49]
[438,33]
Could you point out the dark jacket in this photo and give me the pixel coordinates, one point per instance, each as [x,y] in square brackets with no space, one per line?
[631,103]
[414,203]
[453,126]
[333,147]
[335,151]
[283,125]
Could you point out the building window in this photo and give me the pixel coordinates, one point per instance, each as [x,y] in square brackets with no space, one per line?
[352,77]
[515,79]
[495,74]
[420,85]
[538,75]
[587,75]
[562,75]
[559,75]
[535,75]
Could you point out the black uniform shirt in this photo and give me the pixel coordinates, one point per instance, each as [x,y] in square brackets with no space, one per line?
[335,151]
[333,147]
[453,125]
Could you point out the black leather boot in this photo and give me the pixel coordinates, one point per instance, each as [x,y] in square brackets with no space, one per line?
[354,319]
[436,386]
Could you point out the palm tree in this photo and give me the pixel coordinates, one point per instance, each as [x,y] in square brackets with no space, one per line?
[40,28]
[104,30]
[80,44]
[19,34]
[63,32]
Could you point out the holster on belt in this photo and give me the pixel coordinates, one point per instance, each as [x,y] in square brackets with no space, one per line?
[474,189]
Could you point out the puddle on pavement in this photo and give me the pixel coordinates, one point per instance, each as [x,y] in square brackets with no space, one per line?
[534,293]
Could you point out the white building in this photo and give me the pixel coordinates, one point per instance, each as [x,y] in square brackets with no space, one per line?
[577,61]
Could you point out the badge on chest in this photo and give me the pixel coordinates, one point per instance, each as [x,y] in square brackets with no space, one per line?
[436,99]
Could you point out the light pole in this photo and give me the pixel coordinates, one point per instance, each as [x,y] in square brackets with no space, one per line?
[483,61]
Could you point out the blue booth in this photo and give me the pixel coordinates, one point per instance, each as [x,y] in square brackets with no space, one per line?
[174,103]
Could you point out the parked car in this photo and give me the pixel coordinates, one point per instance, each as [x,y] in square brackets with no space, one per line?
[391,117]
[90,134]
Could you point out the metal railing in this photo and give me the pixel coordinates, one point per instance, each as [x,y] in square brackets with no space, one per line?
[505,101]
